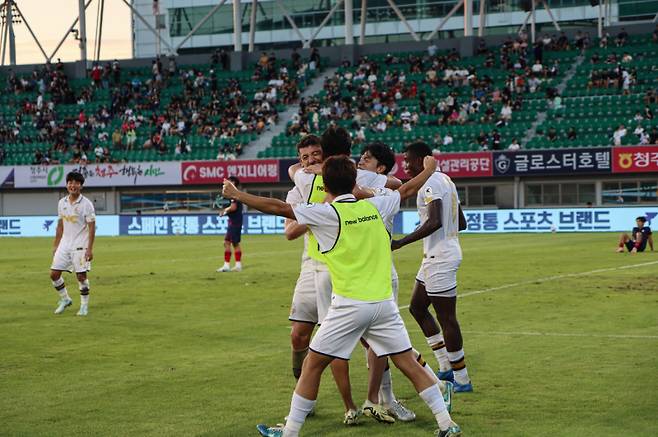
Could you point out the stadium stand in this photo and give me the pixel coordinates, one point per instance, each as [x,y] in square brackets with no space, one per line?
[557,93]
[164,112]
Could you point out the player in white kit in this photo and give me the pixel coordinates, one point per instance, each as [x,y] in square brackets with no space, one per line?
[304,308]
[74,242]
[354,239]
[308,182]
[441,219]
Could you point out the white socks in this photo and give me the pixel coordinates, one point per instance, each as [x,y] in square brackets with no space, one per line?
[386,396]
[434,400]
[299,409]
[459,366]
[439,348]
[84,292]
[61,288]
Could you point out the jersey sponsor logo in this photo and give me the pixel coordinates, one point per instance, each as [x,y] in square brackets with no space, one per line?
[70,218]
[365,218]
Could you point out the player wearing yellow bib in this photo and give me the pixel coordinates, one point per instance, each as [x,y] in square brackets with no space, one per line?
[353,239]
[335,141]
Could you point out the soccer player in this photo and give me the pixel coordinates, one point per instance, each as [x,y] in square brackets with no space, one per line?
[74,243]
[441,219]
[336,141]
[304,309]
[353,239]
[379,158]
[637,241]
[233,233]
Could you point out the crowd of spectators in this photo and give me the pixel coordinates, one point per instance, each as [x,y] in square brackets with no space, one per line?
[122,111]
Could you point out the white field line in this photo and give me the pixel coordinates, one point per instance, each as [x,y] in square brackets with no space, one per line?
[548,279]
[552,334]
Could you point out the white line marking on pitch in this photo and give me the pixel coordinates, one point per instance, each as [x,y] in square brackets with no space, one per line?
[549,278]
[553,334]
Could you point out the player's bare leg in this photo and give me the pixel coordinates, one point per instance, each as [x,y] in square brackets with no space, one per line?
[428,390]
[300,339]
[380,390]
[64,299]
[340,369]
[623,239]
[83,283]
[446,311]
[237,252]
[419,309]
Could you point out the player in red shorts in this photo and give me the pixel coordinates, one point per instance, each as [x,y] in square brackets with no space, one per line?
[233,233]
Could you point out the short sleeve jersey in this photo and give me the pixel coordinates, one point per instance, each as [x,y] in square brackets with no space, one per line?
[645,230]
[323,220]
[235,217]
[295,198]
[77,217]
[364,178]
[444,242]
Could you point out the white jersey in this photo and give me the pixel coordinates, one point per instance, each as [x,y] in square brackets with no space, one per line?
[443,243]
[77,217]
[364,178]
[295,198]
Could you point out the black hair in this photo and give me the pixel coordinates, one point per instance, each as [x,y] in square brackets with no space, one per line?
[234,179]
[382,153]
[308,140]
[418,149]
[75,176]
[642,218]
[339,175]
[335,141]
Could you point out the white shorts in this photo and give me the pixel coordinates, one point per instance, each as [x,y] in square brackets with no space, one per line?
[439,277]
[323,289]
[378,323]
[395,285]
[70,260]
[304,306]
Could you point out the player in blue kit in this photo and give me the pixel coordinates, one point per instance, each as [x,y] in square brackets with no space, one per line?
[233,233]
[639,238]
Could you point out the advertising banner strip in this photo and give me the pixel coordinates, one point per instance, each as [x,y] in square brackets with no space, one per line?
[455,165]
[548,220]
[552,162]
[100,175]
[638,159]
[214,172]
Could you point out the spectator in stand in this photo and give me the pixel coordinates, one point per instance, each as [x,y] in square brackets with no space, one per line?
[571,133]
[648,113]
[622,37]
[514,145]
[483,141]
[117,139]
[552,134]
[182,147]
[131,136]
[98,152]
[653,136]
[447,139]
[619,135]
[495,140]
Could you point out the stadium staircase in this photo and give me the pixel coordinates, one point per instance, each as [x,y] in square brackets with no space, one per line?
[265,140]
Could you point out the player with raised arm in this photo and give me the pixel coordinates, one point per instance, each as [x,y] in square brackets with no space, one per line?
[639,238]
[336,141]
[304,309]
[441,219]
[233,233]
[353,239]
[74,243]
[380,158]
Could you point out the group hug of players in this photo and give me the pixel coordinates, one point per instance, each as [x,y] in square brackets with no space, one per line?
[348,285]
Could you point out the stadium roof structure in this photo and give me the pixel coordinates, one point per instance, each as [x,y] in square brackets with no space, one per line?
[10,15]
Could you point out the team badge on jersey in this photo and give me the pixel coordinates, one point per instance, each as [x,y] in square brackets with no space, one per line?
[428,194]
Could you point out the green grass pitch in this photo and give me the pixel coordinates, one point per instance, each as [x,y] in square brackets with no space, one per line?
[171,348]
